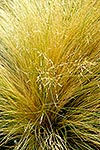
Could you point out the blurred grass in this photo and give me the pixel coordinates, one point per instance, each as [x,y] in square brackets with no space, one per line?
[50,74]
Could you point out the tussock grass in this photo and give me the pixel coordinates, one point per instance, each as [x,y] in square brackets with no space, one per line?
[50,74]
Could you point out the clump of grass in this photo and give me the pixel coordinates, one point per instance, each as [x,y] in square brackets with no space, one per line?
[50,75]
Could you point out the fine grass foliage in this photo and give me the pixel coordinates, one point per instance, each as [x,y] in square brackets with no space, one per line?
[50,74]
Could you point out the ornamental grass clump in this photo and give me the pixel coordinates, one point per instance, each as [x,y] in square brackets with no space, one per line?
[50,74]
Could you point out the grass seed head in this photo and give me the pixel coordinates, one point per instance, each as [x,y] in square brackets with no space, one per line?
[50,74]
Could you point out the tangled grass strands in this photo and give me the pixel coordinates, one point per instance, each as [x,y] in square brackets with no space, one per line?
[50,75]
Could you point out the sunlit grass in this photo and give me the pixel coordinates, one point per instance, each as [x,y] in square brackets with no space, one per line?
[50,74]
